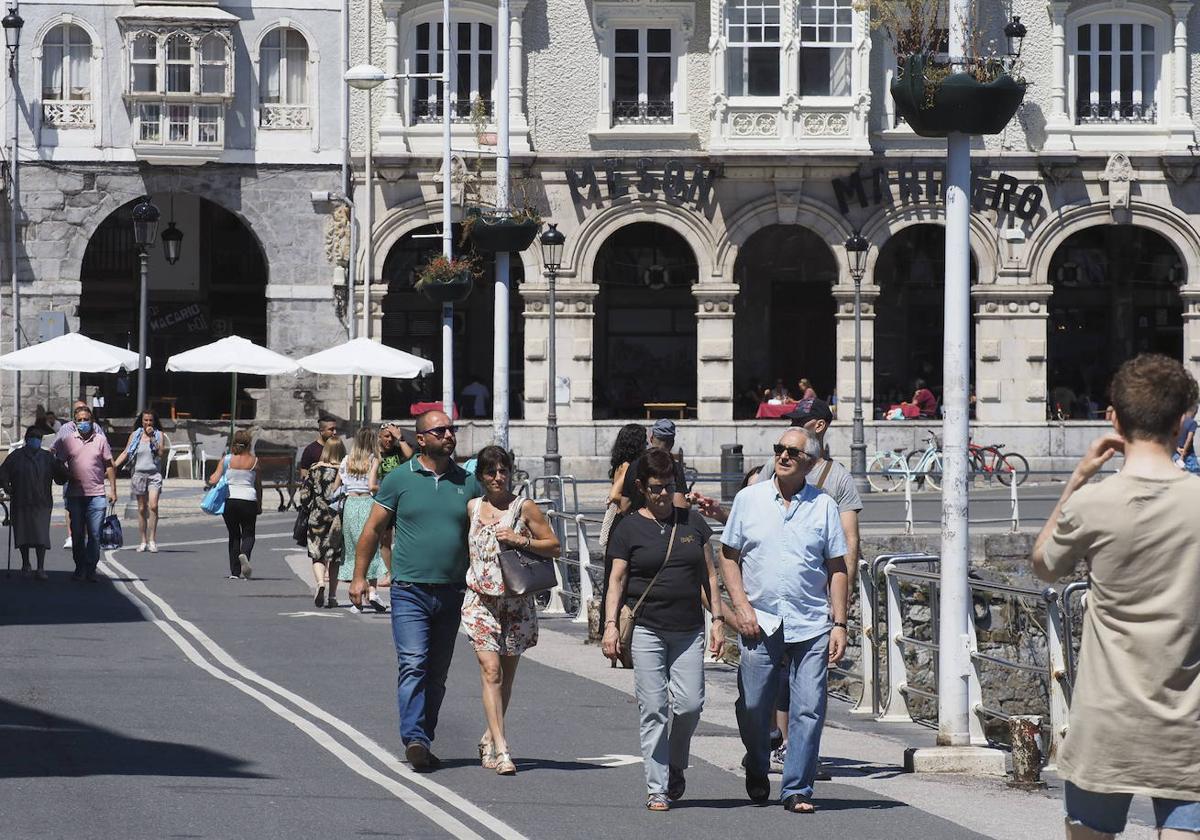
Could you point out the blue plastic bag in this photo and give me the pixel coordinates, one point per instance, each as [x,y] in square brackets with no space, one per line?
[111,535]
[214,499]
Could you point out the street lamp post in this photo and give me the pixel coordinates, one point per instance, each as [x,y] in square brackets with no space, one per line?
[145,228]
[856,253]
[552,242]
[12,23]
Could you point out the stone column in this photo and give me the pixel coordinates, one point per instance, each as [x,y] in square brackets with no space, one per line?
[1181,112]
[1058,121]
[844,313]
[714,350]
[517,120]
[573,324]
[1010,353]
[1191,329]
[391,51]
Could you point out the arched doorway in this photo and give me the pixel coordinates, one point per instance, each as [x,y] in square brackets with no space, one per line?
[1116,294]
[413,323]
[645,321]
[911,275]
[216,289]
[784,327]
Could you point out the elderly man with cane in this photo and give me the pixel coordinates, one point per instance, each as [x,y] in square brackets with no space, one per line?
[783,562]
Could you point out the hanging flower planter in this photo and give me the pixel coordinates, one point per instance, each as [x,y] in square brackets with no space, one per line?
[935,102]
[445,280]
[501,232]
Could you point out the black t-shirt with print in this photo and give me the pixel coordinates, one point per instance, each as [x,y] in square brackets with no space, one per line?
[673,605]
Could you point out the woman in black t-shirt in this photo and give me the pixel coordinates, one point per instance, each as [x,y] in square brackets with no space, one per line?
[673,579]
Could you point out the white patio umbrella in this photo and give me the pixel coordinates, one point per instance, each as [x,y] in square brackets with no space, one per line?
[72,352]
[364,357]
[232,355]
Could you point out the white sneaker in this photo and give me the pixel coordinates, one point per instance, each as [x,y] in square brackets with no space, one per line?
[355,609]
[141,547]
[152,547]
[67,543]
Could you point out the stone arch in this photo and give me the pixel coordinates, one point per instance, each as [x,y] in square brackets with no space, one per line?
[581,249]
[888,222]
[756,215]
[1172,226]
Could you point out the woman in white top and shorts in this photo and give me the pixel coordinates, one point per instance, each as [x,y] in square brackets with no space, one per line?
[244,503]
[145,448]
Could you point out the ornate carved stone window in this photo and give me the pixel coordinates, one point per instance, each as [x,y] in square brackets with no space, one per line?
[283,80]
[67,78]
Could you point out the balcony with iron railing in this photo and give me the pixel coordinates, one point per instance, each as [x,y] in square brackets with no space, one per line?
[63,113]
[634,112]
[1091,112]
[426,111]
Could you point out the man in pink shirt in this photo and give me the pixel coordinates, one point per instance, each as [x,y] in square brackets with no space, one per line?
[89,462]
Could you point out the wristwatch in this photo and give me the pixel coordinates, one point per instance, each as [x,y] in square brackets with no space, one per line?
[841,624]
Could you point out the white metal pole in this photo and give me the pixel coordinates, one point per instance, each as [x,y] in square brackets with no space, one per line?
[347,175]
[447,217]
[14,210]
[954,664]
[500,324]
[369,237]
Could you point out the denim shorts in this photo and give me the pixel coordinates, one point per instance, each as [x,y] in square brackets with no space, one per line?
[1107,812]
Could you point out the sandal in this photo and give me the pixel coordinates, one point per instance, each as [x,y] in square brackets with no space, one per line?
[487,755]
[504,765]
[657,802]
[797,804]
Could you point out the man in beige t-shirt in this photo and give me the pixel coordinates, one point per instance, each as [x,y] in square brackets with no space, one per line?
[1135,710]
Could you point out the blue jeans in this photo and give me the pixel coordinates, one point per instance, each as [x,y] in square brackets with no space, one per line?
[1107,812]
[425,618]
[668,681]
[765,664]
[87,515]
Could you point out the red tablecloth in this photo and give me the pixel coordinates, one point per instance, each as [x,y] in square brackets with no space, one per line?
[421,407]
[766,411]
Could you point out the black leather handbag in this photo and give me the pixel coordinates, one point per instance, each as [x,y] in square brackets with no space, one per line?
[525,573]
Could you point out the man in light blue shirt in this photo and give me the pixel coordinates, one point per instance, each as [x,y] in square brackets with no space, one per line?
[783,562]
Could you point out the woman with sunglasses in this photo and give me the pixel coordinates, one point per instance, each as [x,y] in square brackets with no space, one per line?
[501,627]
[661,569]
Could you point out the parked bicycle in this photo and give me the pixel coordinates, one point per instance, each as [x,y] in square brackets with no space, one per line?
[889,471]
[992,460]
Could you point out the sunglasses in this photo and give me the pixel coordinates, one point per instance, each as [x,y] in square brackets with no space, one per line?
[441,431]
[795,453]
[659,489]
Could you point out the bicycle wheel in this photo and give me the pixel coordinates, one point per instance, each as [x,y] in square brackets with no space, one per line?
[885,473]
[914,462]
[1012,465]
[933,472]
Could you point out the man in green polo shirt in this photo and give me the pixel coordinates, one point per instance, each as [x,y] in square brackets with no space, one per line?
[426,499]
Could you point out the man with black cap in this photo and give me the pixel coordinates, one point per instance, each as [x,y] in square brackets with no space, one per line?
[662,436]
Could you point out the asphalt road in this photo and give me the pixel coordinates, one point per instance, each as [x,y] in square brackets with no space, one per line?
[166,701]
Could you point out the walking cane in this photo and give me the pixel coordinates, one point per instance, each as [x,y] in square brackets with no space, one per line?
[8,525]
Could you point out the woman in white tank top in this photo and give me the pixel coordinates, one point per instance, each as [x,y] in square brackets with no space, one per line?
[244,504]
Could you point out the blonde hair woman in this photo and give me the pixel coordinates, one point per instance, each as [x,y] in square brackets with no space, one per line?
[244,504]
[317,496]
[358,475]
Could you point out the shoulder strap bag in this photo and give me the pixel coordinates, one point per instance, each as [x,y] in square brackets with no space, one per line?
[523,572]
[824,473]
[627,617]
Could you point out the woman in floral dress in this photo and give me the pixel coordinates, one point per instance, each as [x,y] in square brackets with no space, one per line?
[501,627]
[317,496]
[358,476]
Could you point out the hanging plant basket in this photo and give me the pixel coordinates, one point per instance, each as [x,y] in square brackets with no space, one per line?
[955,101]
[501,232]
[446,281]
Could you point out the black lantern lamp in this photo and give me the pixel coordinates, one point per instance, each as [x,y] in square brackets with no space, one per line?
[1014,31]
[552,247]
[12,23]
[145,224]
[856,249]
[172,238]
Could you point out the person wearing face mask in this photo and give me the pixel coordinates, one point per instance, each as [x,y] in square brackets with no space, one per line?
[90,465]
[145,448]
[26,476]
[501,626]
[65,430]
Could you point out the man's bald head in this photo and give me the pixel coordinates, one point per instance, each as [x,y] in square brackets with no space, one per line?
[431,420]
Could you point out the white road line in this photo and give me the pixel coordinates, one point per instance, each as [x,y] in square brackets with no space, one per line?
[383,755]
[216,540]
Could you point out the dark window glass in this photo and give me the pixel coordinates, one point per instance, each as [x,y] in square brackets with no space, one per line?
[658,81]
[626,40]
[1105,84]
[815,78]
[485,37]
[1126,36]
[464,36]
[1083,89]
[463,83]
[625,78]
[1106,36]
[485,76]
[658,40]
[423,36]
[763,71]
[1085,37]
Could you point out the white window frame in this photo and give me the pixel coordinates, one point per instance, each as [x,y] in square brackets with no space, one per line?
[643,56]
[193,119]
[285,55]
[459,114]
[282,134]
[746,45]
[70,122]
[1150,116]
[678,18]
[841,30]
[161,62]
[65,44]
[202,62]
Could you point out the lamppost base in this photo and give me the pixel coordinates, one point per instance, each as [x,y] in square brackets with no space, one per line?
[968,760]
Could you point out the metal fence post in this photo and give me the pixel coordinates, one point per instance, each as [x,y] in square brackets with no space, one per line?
[1060,701]
[974,688]
[868,660]
[585,562]
[1016,511]
[897,707]
[908,512]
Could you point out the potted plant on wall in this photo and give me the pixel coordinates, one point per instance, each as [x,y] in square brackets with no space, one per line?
[446,280]
[935,93]
[496,230]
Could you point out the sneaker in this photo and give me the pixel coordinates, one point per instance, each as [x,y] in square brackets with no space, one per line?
[152,547]
[778,758]
[67,543]
[140,548]
[354,608]
[420,758]
[245,563]
[376,604]
[332,603]
[232,577]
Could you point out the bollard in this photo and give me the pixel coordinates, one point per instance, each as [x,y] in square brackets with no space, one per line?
[733,467]
[1025,731]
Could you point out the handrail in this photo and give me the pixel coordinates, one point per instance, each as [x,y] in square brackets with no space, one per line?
[1068,624]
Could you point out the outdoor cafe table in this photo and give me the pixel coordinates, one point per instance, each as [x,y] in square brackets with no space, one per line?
[766,411]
